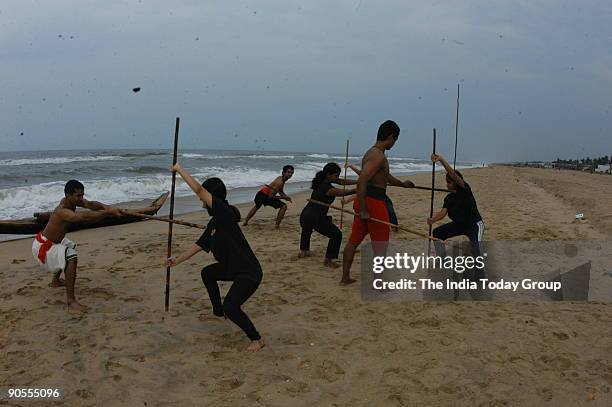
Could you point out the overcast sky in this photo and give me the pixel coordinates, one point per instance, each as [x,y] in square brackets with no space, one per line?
[536,76]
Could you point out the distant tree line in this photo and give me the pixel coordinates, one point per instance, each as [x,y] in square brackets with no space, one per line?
[588,161]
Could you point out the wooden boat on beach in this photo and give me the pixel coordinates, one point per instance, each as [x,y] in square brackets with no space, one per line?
[33,225]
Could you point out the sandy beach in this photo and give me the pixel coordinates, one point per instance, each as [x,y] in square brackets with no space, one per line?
[325,345]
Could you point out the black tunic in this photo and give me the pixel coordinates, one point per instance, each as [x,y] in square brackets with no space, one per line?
[227,242]
[461,206]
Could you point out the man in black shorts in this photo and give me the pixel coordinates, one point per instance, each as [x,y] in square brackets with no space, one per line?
[267,196]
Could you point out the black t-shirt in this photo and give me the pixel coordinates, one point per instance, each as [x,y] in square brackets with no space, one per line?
[320,194]
[461,206]
[227,242]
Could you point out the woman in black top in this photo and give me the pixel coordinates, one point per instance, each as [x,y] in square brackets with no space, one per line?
[235,260]
[460,206]
[314,217]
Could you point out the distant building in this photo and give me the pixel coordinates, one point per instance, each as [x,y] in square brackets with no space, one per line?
[604,169]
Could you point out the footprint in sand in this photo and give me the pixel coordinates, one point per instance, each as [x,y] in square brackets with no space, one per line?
[18,261]
[54,302]
[329,371]
[99,292]
[85,394]
[298,387]
[28,290]
[114,367]
[133,299]
[430,322]
[231,383]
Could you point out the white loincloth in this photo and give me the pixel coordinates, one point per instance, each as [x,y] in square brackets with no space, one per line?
[57,255]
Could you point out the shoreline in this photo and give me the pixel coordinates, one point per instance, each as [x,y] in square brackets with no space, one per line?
[188,205]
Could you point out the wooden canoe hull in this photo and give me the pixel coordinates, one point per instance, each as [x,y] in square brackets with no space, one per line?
[30,226]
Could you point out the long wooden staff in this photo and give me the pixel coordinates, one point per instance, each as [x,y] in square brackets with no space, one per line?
[174,221]
[433,183]
[374,219]
[344,186]
[430,189]
[456,128]
[171,216]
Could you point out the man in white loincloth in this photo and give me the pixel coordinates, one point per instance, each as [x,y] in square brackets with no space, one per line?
[53,251]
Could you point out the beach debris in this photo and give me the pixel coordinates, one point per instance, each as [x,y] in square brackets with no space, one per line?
[580,216]
[136,90]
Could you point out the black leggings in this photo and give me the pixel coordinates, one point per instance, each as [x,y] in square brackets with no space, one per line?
[475,233]
[325,226]
[237,295]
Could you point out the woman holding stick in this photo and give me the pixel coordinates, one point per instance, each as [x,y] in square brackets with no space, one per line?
[460,206]
[235,260]
[314,217]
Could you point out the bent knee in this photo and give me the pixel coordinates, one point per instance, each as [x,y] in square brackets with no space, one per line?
[437,233]
[230,308]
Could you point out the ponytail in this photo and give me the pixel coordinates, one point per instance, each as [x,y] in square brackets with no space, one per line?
[330,168]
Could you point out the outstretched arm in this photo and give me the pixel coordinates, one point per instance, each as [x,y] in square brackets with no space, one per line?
[283,195]
[99,206]
[437,217]
[346,182]
[75,217]
[195,186]
[186,255]
[340,192]
[391,180]
[354,168]
[449,170]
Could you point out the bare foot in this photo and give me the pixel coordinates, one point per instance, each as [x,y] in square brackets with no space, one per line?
[304,253]
[255,346]
[77,306]
[57,283]
[347,281]
[208,317]
[331,264]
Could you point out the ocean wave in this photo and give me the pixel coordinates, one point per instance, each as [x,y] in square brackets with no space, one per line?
[192,155]
[22,202]
[138,155]
[226,157]
[57,160]
[273,157]
[148,169]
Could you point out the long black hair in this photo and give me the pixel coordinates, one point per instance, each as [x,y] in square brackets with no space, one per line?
[217,188]
[330,168]
[451,180]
